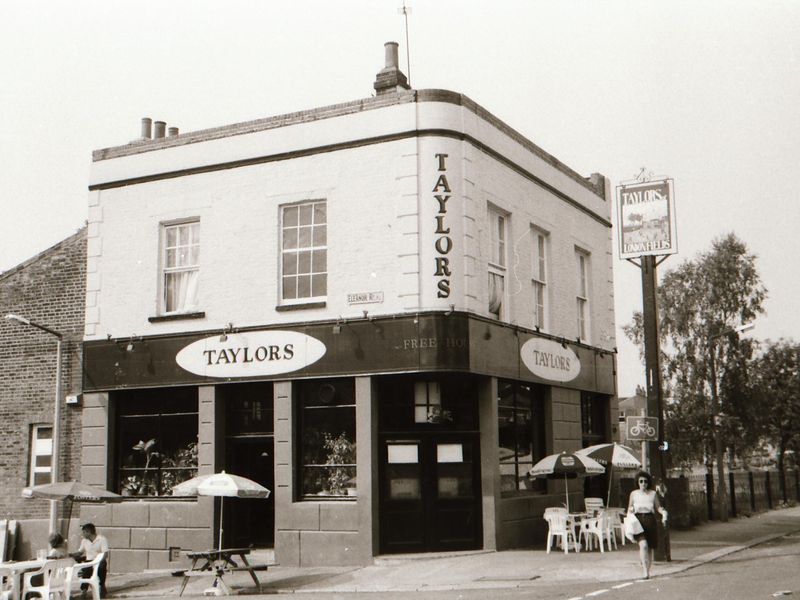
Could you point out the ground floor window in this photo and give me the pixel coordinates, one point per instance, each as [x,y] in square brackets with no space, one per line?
[156,439]
[41,460]
[594,418]
[521,420]
[327,435]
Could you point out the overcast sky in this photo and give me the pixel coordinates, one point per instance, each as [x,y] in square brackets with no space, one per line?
[707,93]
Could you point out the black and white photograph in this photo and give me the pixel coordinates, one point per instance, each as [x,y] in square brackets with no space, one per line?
[383,299]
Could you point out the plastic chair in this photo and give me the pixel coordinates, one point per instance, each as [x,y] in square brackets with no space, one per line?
[56,579]
[557,528]
[93,579]
[591,530]
[592,505]
[616,525]
[607,527]
[6,585]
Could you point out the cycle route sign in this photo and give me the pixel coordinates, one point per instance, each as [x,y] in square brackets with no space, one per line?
[641,429]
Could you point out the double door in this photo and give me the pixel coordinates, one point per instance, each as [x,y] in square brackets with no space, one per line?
[430,492]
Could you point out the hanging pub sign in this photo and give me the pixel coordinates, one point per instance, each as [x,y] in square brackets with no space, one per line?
[646,218]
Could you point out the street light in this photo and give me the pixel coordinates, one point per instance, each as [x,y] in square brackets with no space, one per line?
[722,500]
[56,411]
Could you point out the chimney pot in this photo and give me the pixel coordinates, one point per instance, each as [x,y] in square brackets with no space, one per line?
[159,129]
[391,49]
[147,130]
[172,131]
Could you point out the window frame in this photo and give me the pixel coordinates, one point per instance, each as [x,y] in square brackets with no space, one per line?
[165,270]
[583,320]
[539,273]
[312,248]
[35,469]
[302,436]
[537,433]
[498,260]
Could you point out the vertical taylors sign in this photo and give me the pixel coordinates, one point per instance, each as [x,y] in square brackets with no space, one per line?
[646,219]
[443,243]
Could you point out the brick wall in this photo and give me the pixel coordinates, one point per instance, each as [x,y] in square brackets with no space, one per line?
[48,289]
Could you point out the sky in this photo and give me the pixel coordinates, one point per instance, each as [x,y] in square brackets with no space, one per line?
[706,93]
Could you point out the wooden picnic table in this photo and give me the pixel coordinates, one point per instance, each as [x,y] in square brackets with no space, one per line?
[218,563]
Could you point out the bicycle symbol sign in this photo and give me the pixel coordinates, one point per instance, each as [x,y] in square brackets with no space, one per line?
[644,429]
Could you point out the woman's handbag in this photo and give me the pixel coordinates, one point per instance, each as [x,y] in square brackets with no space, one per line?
[632,526]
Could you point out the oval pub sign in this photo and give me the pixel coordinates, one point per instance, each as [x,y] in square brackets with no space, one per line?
[550,360]
[251,354]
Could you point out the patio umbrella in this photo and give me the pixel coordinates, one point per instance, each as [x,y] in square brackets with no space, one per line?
[566,465]
[613,455]
[72,491]
[221,484]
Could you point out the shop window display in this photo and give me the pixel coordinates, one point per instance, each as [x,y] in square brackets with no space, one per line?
[156,432]
[327,438]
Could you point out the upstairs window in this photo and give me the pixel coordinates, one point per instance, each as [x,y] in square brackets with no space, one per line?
[41,460]
[181,260]
[582,298]
[497,263]
[304,251]
[539,278]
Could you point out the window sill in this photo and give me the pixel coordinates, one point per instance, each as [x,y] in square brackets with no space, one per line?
[302,306]
[177,317]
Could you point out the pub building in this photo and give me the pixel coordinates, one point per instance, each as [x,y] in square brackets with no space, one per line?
[385,311]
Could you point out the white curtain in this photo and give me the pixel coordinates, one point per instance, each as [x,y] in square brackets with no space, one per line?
[182,290]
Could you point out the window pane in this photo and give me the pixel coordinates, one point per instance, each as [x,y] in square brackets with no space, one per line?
[320,263]
[304,286]
[290,216]
[171,258]
[290,239]
[304,262]
[320,236]
[289,288]
[289,263]
[305,214]
[320,213]
[319,285]
[304,237]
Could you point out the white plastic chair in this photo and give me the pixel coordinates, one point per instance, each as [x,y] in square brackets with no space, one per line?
[590,529]
[616,525]
[557,528]
[93,579]
[607,527]
[56,579]
[6,584]
[593,505]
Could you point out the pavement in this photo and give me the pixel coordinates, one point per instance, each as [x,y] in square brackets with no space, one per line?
[481,569]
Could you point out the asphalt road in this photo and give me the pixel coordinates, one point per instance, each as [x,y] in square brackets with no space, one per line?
[765,571]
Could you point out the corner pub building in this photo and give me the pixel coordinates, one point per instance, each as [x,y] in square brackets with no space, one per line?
[385,311]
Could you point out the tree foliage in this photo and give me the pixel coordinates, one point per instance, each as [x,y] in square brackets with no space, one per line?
[699,302]
[776,386]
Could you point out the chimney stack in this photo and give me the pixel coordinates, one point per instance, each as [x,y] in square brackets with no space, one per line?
[390,79]
[147,130]
[159,129]
[172,131]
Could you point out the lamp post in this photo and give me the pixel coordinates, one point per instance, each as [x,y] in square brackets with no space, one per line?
[56,411]
[722,499]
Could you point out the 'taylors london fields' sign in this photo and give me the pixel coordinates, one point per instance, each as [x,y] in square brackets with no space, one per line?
[251,354]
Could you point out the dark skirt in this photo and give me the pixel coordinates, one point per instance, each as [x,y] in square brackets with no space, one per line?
[650,526]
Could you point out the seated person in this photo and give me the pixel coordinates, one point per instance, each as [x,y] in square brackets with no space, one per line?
[92,544]
[58,546]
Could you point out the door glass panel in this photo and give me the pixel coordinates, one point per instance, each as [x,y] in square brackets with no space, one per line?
[449,453]
[402,453]
[455,480]
[404,482]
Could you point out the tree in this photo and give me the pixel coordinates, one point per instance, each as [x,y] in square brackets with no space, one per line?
[699,302]
[777,390]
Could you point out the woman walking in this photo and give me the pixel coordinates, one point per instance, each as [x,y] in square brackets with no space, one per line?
[644,503]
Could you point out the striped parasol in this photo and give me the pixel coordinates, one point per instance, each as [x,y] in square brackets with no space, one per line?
[567,465]
[613,455]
